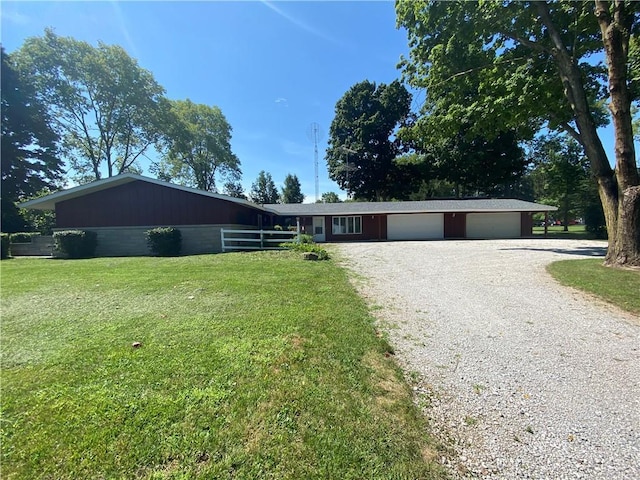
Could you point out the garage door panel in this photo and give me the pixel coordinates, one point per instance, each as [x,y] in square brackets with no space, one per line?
[415,227]
[493,225]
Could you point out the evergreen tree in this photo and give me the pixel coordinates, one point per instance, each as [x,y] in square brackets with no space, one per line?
[264,190]
[291,192]
[29,150]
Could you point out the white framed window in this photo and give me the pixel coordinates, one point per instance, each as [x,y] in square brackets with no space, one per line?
[346,225]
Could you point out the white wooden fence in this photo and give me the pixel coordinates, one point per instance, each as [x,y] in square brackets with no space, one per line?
[255,239]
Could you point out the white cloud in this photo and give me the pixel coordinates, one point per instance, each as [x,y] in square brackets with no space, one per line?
[15,17]
[122,24]
[300,24]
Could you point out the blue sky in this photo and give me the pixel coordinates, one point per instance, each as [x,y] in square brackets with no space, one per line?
[274,68]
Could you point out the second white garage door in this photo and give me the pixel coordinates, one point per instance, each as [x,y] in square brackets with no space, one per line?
[419,226]
[493,225]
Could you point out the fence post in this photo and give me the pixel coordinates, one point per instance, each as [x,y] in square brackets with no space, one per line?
[222,239]
[261,239]
[298,228]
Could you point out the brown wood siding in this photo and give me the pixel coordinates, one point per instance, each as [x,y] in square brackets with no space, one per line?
[146,204]
[526,224]
[374,227]
[455,225]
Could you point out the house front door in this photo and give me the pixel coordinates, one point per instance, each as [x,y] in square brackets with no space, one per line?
[318,229]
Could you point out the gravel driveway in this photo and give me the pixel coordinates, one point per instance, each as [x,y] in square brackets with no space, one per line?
[521,377]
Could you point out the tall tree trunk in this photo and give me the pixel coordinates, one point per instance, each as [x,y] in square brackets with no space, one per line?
[616,188]
[615,21]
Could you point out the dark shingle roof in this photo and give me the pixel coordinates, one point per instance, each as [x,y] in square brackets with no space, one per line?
[426,206]
[48,202]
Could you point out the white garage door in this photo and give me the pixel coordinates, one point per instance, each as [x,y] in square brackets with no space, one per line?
[493,225]
[419,226]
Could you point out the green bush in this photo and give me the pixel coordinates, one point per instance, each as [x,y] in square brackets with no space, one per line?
[305,238]
[307,247]
[23,237]
[4,238]
[75,243]
[164,241]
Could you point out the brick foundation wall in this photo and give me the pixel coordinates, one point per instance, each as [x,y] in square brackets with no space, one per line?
[131,241]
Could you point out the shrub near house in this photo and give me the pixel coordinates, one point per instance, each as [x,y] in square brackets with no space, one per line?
[75,243]
[164,241]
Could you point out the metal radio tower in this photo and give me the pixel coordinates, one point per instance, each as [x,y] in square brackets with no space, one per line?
[314,135]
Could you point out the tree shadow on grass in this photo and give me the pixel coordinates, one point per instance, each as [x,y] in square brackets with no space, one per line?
[591,251]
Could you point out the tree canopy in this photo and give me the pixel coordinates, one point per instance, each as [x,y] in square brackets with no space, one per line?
[522,66]
[469,166]
[264,190]
[561,176]
[197,147]
[362,144]
[107,109]
[233,188]
[329,197]
[29,158]
[292,190]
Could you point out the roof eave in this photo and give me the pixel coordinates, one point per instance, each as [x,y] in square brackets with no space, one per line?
[541,209]
[48,202]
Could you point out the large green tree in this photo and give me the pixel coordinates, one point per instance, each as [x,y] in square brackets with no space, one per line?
[528,65]
[30,161]
[561,176]
[479,166]
[329,197]
[197,147]
[264,190]
[362,145]
[107,109]
[292,190]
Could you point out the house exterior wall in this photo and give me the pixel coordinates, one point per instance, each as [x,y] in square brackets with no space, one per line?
[456,225]
[143,203]
[374,227]
[131,241]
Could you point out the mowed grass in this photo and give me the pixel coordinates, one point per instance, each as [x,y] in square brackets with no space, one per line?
[252,366]
[619,287]
[557,231]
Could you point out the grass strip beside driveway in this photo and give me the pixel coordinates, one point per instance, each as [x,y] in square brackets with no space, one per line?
[254,365]
[616,286]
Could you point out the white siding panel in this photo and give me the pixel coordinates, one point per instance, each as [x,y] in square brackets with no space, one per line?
[419,226]
[493,225]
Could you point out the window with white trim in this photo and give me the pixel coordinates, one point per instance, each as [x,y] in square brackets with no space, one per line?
[346,225]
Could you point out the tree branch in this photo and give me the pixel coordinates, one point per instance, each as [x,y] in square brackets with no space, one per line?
[482,67]
[572,132]
[528,43]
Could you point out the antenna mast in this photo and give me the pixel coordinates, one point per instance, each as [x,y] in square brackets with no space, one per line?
[314,135]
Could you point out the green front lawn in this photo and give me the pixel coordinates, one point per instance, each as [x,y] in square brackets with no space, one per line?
[557,231]
[619,287]
[251,366]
